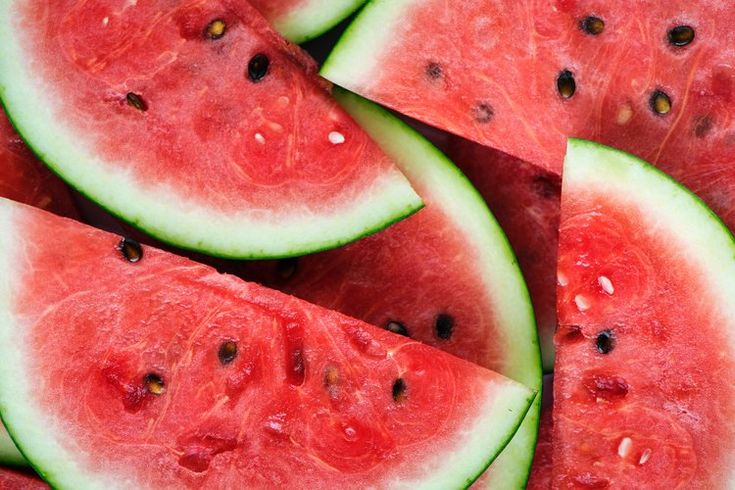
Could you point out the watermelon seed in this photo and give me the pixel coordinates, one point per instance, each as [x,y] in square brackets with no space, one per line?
[286,268]
[154,384]
[565,84]
[227,352]
[336,138]
[562,279]
[397,327]
[625,114]
[582,303]
[681,35]
[645,456]
[331,377]
[605,342]
[260,138]
[215,29]
[433,70]
[258,67]
[136,101]
[444,325]
[483,112]
[660,102]
[131,250]
[592,25]
[624,448]
[399,390]
[606,284]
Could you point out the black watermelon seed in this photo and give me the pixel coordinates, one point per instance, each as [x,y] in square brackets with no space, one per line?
[215,29]
[286,268]
[702,126]
[131,250]
[399,390]
[135,100]
[565,84]
[681,35]
[592,25]
[227,352]
[258,67]
[444,325]
[434,70]
[660,102]
[483,112]
[397,327]
[154,384]
[605,342]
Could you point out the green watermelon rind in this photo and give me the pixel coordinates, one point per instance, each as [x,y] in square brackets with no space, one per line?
[313,18]
[9,454]
[420,160]
[157,209]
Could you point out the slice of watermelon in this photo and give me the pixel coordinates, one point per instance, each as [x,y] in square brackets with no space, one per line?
[15,480]
[445,276]
[129,367]
[645,357]
[195,122]
[656,78]
[302,20]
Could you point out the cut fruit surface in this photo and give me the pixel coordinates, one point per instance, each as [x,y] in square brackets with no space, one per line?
[119,359]
[15,480]
[445,276]
[302,20]
[654,78]
[196,123]
[646,321]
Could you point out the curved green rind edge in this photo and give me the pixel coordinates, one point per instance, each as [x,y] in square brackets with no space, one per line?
[420,165]
[9,453]
[314,18]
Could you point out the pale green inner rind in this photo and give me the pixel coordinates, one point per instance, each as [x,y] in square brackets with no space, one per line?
[9,454]
[157,208]
[313,18]
[509,299]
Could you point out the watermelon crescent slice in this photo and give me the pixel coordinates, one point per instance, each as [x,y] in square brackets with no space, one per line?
[645,353]
[129,367]
[195,122]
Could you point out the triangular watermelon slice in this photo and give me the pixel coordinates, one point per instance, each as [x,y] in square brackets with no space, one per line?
[196,122]
[129,367]
[445,276]
[656,78]
[643,392]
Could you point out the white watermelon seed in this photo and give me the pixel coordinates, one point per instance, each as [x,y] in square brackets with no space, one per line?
[562,279]
[582,303]
[105,21]
[606,284]
[625,114]
[645,456]
[260,138]
[336,138]
[624,448]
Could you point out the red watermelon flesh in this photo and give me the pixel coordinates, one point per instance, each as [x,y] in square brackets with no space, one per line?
[643,397]
[16,480]
[541,471]
[499,72]
[525,201]
[161,372]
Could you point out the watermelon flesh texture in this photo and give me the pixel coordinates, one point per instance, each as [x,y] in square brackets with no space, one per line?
[541,471]
[229,145]
[525,200]
[644,347]
[15,480]
[504,77]
[299,398]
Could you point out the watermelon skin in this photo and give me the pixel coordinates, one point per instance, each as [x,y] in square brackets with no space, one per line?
[525,201]
[146,340]
[286,170]
[302,20]
[494,78]
[15,480]
[641,356]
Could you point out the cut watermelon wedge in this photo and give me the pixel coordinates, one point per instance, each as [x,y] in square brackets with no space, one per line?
[656,78]
[642,388]
[128,367]
[445,276]
[15,480]
[195,122]
[302,20]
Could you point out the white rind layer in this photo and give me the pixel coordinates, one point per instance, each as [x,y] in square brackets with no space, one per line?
[313,18]
[157,208]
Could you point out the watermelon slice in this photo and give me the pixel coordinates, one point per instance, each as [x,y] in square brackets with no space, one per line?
[655,78]
[302,20]
[129,367]
[525,200]
[445,276]
[645,358]
[195,122]
[15,480]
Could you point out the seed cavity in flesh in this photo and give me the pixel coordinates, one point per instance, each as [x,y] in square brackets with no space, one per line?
[565,84]
[397,327]
[399,390]
[154,384]
[660,102]
[592,25]
[258,67]
[570,333]
[215,29]
[444,326]
[603,388]
[433,70]
[483,112]
[681,35]
[286,268]
[605,342]
[227,352]
[702,126]
[135,100]
[131,250]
